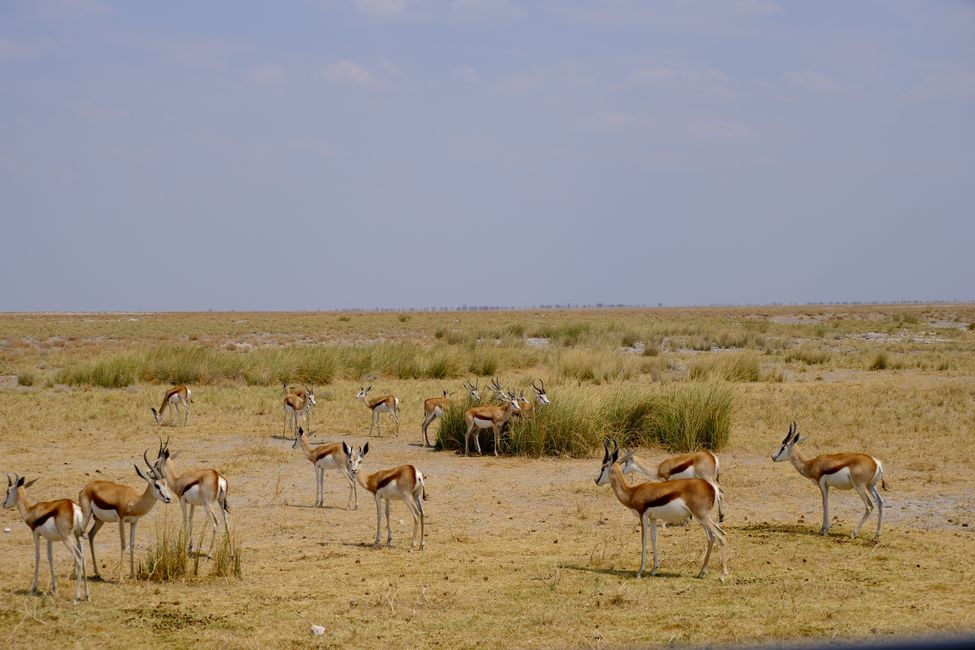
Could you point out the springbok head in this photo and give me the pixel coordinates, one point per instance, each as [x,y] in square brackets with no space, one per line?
[353,457]
[13,484]
[540,396]
[363,392]
[159,488]
[788,443]
[609,457]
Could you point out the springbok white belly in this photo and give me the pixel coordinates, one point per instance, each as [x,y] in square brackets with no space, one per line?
[687,473]
[193,496]
[104,515]
[483,424]
[388,491]
[49,529]
[327,462]
[675,510]
[437,411]
[841,480]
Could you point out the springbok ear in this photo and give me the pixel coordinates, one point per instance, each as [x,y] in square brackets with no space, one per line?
[365,450]
[175,453]
[301,432]
[345,448]
[28,483]
[20,481]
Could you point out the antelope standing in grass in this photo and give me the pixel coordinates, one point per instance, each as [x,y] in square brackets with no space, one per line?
[434,408]
[674,501]
[488,417]
[404,483]
[109,502]
[297,402]
[697,464]
[859,472]
[174,398]
[528,407]
[55,521]
[326,457]
[204,487]
[377,406]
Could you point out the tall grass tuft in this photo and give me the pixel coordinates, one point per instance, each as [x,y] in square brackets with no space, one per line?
[680,417]
[808,355]
[735,366]
[165,560]
[226,557]
[880,362]
[116,371]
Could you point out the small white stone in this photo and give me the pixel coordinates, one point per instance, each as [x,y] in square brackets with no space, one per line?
[6,530]
[400,522]
[317,630]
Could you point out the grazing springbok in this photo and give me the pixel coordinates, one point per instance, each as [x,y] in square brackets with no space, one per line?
[377,406]
[434,407]
[488,417]
[404,483]
[326,457]
[297,402]
[859,472]
[204,487]
[674,501]
[107,501]
[697,464]
[56,521]
[175,397]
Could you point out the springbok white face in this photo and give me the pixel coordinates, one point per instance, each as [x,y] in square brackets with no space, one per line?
[514,402]
[298,437]
[472,391]
[608,460]
[362,392]
[12,485]
[627,464]
[354,458]
[310,394]
[788,442]
[540,395]
[159,488]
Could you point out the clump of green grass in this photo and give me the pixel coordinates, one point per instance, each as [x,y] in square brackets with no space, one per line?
[484,362]
[737,366]
[597,366]
[880,361]
[568,334]
[808,355]
[403,318]
[344,319]
[26,378]
[167,558]
[117,371]
[680,417]
[226,557]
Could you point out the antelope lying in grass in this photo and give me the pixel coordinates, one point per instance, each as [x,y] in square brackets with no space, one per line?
[377,406]
[697,464]
[434,407]
[175,397]
[56,521]
[674,501]
[859,472]
[107,501]
[404,483]
[326,457]
[297,402]
[204,487]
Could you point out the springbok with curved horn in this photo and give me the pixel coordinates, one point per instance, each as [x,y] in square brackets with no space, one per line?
[204,487]
[56,521]
[528,407]
[859,472]
[377,406]
[175,397]
[297,402]
[326,457]
[697,464]
[404,483]
[674,501]
[107,501]
[488,417]
[473,394]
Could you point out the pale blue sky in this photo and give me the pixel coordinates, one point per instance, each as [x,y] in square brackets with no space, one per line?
[411,153]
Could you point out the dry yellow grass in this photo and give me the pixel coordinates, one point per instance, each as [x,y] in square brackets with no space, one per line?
[521,552]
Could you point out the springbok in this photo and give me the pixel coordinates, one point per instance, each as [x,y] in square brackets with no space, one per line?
[404,483]
[859,472]
[541,400]
[175,397]
[297,402]
[434,408]
[674,501]
[326,457]
[697,464]
[488,417]
[107,501]
[378,405]
[204,487]
[56,521]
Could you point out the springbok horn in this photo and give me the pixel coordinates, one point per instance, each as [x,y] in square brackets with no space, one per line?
[145,457]
[9,481]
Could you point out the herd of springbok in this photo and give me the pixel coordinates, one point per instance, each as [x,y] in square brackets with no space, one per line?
[680,488]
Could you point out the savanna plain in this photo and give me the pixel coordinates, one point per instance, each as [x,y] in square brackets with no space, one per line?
[522,549]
